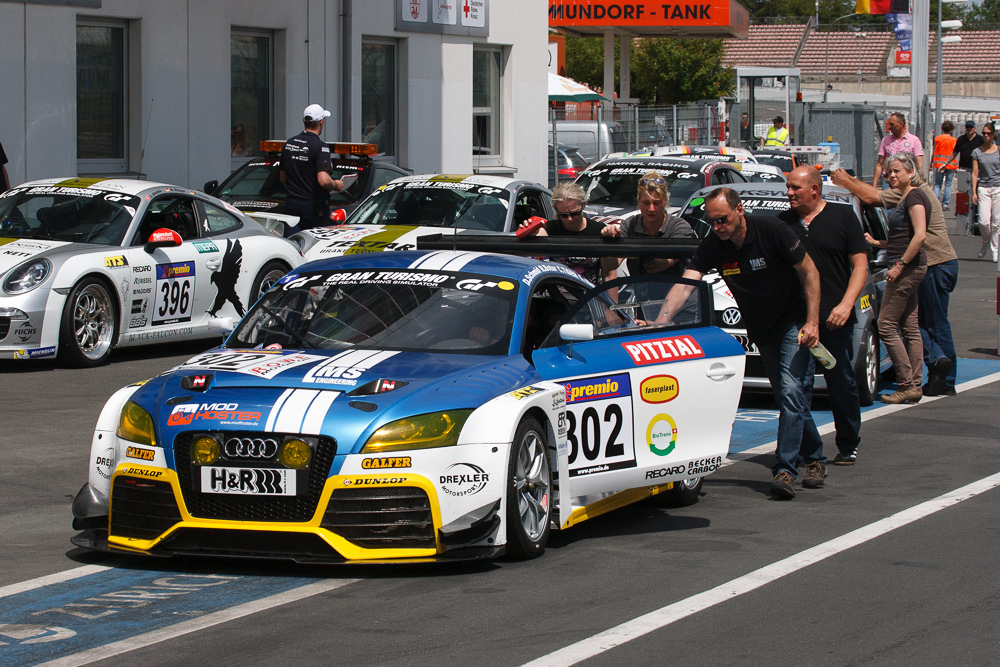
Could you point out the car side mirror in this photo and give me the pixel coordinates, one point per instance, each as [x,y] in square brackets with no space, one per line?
[338,216]
[210,187]
[574,332]
[162,238]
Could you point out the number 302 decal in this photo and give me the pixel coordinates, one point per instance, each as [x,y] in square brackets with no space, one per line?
[589,439]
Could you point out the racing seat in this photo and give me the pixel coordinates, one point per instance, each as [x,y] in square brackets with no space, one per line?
[182,221]
[543,317]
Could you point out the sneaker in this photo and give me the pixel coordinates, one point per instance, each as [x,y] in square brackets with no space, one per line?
[944,207]
[982,252]
[843,459]
[815,474]
[903,396]
[783,485]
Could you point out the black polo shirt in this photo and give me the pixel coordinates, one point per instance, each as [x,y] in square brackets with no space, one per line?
[964,147]
[302,157]
[761,275]
[832,237]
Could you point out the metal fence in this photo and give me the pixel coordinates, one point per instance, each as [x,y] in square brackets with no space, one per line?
[695,123]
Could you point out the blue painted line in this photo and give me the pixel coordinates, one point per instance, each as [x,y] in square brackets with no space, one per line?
[63,619]
[758,426]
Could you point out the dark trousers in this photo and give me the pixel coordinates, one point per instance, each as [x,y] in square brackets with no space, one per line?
[933,295]
[841,386]
[311,214]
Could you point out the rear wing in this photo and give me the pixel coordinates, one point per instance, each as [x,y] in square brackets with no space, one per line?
[557,246]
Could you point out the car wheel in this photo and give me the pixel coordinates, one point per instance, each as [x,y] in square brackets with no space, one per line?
[267,276]
[529,492]
[89,325]
[866,373]
[683,493]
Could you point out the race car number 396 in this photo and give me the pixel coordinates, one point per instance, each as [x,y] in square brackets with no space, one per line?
[174,293]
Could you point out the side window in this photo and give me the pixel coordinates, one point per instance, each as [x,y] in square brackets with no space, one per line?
[174,213]
[383,176]
[549,303]
[529,203]
[218,221]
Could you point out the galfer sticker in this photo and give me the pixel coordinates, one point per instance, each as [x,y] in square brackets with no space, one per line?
[260,363]
[664,350]
[599,424]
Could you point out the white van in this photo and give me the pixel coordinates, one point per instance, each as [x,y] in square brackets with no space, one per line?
[584,134]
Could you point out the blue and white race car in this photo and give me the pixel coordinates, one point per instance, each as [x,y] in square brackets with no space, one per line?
[416,405]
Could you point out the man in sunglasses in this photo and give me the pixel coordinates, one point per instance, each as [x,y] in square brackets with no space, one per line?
[652,221]
[765,267]
[569,201]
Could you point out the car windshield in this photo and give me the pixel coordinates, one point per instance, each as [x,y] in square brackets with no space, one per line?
[618,186]
[782,162]
[392,309]
[260,179]
[436,204]
[66,213]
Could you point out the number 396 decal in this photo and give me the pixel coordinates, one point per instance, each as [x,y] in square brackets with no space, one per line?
[174,293]
[599,424]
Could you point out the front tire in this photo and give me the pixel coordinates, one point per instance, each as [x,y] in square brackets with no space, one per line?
[266,277]
[89,325]
[529,492]
[683,493]
[866,373]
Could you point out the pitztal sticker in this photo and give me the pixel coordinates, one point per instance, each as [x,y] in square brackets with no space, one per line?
[661,435]
[659,389]
[664,350]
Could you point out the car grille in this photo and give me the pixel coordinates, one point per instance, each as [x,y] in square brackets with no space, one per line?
[4,327]
[296,508]
[388,517]
[256,543]
[142,508]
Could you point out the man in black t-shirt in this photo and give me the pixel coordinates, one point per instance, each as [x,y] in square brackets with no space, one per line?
[964,146]
[765,266]
[833,238]
[305,172]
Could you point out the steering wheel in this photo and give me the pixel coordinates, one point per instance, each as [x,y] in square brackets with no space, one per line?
[18,227]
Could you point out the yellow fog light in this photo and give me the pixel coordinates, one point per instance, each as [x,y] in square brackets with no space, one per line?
[135,425]
[205,450]
[295,454]
[436,429]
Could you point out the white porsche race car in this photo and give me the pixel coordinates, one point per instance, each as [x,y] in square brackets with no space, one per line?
[87,265]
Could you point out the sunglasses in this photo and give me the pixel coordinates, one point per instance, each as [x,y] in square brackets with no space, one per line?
[721,220]
[988,134]
[646,182]
[571,214]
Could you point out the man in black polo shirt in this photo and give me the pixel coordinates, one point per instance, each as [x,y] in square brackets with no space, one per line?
[762,262]
[305,171]
[833,238]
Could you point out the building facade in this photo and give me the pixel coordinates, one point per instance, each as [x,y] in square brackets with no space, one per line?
[182,91]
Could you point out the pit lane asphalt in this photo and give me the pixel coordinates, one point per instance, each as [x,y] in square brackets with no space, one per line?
[922,594]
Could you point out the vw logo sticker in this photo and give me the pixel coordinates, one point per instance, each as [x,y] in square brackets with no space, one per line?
[731,317]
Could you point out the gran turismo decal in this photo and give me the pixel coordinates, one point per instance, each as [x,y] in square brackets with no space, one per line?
[225,278]
[661,435]
[664,350]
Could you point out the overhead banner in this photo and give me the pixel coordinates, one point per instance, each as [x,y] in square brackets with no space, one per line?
[447,17]
[723,18]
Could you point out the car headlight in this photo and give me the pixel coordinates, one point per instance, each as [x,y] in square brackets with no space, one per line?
[27,277]
[136,425]
[435,429]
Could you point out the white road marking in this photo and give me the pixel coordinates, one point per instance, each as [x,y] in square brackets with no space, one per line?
[664,616]
[196,624]
[50,579]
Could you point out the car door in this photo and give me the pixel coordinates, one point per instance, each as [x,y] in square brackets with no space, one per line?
[645,403]
[171,288]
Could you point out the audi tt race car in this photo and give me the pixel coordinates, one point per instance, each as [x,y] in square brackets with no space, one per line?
[870,357]
[87,265]
[612,185]
[416,405]
[396,214]
[256,189]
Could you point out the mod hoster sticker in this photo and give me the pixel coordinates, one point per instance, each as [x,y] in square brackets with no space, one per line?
[599,424]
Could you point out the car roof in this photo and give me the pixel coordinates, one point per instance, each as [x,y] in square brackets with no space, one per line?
[501,182]
[518,269]
[129,186]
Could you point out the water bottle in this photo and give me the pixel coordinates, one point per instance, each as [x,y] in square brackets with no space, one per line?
[823,356]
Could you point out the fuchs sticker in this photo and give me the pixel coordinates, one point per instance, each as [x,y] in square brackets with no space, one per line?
[248,481]
[664,350]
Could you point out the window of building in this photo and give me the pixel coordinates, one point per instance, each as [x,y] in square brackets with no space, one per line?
[378,95]
[101,97]
[251,93]
[486,72]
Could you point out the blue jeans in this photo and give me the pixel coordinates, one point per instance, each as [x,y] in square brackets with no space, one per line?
[935,330]
[945,176]
[841,386]
[787,364]
[311,214]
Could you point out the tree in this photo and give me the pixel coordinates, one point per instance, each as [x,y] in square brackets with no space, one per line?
[672,71]
[585,60]
[980,17]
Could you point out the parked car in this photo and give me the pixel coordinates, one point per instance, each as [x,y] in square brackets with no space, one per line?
[256,189]
[592,138]
[88,265]
[415,406]
[870,357]
[761,173]
[783,160]
[393,216]
[611,185]
[565,164]
[729,153]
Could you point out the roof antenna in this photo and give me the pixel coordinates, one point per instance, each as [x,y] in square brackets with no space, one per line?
[142,149]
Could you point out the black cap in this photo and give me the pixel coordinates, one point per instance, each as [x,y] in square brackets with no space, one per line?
[969,124]
[778,119]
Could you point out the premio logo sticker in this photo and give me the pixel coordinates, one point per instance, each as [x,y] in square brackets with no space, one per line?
[659,389]
[661,435]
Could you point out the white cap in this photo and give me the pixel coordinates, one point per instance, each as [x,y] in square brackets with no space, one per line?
[315,113]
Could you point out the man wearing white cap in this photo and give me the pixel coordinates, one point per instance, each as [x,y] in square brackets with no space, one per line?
[305,171]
